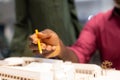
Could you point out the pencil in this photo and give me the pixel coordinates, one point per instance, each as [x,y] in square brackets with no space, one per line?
[39,44]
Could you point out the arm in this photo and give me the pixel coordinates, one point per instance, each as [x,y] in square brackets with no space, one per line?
[86,44]
[52,46]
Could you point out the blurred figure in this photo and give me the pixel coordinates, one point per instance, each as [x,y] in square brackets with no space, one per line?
[100,32]
[4,48]
[58,15]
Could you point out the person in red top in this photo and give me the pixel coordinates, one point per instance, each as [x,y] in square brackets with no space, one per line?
[101,32]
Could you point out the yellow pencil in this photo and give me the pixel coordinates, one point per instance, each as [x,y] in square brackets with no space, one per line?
[39,44]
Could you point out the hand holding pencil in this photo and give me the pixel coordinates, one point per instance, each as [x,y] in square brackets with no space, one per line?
[46,42]
[51,46]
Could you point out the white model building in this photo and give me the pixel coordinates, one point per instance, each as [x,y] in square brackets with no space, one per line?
[27,68]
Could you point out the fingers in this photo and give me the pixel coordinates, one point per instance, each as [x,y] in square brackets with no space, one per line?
[33,46]
[43,45]
[48,39]
[43,36]
[47,33]
[33,38]
[45,48]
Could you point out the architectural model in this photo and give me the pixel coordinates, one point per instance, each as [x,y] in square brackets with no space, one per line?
[28,68]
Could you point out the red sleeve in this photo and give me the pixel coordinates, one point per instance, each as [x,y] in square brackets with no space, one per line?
[85,46]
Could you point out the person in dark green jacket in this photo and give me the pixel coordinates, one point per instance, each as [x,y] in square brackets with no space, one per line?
[58,15]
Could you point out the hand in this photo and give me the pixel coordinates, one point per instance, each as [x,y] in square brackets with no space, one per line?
[50,43]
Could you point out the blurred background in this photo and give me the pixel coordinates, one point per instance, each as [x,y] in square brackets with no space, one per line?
[7,17]
[85,10]
[88,8]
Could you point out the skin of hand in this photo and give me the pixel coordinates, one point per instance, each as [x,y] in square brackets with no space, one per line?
[52,46]
[50,43]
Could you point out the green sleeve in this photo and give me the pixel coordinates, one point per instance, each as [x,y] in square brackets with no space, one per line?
[22,30]
[58,15]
